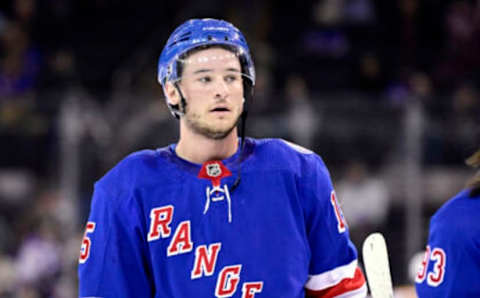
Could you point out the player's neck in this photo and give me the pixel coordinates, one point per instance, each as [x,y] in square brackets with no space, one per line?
[199,149]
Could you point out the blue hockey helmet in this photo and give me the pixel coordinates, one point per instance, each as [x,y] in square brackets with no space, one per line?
[197,33]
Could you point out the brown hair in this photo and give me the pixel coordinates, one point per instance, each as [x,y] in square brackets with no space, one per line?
[474,182]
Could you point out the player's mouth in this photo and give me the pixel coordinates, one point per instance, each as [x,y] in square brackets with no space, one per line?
[220,110]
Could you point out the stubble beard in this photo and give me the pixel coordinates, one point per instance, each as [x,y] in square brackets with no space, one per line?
[209,131]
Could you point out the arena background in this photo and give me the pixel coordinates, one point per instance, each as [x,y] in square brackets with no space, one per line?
[387,92]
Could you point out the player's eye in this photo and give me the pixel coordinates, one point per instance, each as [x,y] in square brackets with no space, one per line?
[204,79]
[231,78]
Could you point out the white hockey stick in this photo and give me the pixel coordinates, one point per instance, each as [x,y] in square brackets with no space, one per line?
[375,259]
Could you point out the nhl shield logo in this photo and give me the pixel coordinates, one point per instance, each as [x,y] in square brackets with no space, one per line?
[214,170]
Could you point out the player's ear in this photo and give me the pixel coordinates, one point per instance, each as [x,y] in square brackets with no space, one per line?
[173,97]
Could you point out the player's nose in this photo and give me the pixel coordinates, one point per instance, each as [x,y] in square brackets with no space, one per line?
[221,90]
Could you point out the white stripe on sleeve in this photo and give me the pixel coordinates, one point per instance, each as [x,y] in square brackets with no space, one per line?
[332,277]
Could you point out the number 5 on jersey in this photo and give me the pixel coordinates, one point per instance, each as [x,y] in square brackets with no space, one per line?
[86,243]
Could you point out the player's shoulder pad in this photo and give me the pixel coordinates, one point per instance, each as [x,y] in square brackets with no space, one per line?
[282,146]
[307,166]
[459,206]
[297,147]
[283,149]
[281,154]
[129,169]
[137,160]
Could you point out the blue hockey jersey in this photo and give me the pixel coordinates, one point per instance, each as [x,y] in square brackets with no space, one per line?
[161,226]
[451,266]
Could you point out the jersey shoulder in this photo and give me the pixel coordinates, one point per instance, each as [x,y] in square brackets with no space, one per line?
[281,145]
[460,205]
[458,214]
[138,169]
[282,155]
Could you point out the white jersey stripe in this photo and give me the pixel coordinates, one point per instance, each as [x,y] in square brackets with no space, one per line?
[330,278]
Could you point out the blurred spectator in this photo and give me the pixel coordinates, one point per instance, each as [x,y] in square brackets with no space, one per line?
[45,262]
[265,101]
[433,110]
[463,126]
[459,58]
[365,200]
[7,276]
[411,85]
[38,260]
[326,37]
[409,39]
[337,12]
[453,123]
[16,186]
[19,62]
[421,86]
[3,23]
[359,12]
[24,12]
[328,12]
[66,285]
[302,119]
[370,76]
[61,70]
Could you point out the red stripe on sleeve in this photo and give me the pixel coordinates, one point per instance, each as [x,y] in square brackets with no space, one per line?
[346,285]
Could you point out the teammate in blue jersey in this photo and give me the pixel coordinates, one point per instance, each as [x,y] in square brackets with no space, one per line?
[451,266]
[216,214]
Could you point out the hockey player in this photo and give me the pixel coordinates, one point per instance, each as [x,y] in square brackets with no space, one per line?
[451,266]
[216,215]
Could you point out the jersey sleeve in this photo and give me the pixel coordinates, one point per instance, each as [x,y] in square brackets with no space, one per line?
[113,260]
[451,263]
[333,265]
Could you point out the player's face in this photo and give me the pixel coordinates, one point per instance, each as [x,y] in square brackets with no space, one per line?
[212,86]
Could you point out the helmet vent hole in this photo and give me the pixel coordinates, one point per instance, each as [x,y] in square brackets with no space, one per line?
[209,37]
[226,37]
[178,41]
[185,34]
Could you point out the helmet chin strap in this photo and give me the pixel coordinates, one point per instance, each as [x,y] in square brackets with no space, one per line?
[243,124]
[183,103]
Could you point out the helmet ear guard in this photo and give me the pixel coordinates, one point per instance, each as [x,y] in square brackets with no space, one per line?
[200,34]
